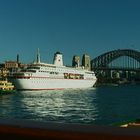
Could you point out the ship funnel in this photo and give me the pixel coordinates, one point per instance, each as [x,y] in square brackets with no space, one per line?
[58,59]
[38,56]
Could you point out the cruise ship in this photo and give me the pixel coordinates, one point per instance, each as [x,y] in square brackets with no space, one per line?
[56,76]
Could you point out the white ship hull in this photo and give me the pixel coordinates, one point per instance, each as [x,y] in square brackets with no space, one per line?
[51,84]
[43,76]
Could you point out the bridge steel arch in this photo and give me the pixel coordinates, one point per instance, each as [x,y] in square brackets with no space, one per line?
[103,60]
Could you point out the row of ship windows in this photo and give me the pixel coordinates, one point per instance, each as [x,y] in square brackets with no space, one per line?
[50,72]
[38,81]
[62,77]
[34,78]
[60,70]
[30,69]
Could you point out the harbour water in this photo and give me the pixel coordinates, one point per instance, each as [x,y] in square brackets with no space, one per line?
[106,105]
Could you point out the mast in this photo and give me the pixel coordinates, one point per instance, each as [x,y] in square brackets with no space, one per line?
[38,56]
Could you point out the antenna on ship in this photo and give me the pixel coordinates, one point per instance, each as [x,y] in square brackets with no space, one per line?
[38,56]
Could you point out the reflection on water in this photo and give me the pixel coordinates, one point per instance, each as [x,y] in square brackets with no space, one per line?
[62,106]
[102,105]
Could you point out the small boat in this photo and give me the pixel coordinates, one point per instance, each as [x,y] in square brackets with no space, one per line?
[6,87]
[131,123]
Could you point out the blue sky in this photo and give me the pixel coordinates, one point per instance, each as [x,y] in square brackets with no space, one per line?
[73,27]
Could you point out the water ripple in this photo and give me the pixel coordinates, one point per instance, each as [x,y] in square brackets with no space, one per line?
[103,105]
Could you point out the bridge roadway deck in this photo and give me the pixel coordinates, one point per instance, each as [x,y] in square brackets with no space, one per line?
[116,68]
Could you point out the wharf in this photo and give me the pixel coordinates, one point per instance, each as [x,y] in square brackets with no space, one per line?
[21,129]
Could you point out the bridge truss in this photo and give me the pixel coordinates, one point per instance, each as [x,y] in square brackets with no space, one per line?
[105,59]
[119,63]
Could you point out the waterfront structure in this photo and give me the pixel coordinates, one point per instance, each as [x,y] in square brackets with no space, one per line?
[76,61]
[86,62]
[43,76]
[11,64]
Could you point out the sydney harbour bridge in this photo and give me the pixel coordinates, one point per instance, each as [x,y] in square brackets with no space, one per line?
[122,65]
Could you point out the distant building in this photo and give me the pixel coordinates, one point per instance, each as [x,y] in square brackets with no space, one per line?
[76,61]
[11,64]
[18,58]
[86,62]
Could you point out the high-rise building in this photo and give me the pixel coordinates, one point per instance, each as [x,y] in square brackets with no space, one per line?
[76,61]
[18,58]
[86,62]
